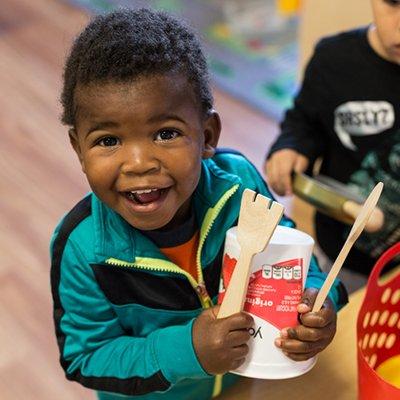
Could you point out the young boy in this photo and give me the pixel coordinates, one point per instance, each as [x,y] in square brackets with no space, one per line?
[136,263]
[348,111]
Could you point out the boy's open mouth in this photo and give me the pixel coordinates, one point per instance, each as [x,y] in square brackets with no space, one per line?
[145,196]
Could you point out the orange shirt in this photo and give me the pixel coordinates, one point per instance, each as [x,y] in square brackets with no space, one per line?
[184,255]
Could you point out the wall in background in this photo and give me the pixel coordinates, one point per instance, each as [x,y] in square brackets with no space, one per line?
[323,17]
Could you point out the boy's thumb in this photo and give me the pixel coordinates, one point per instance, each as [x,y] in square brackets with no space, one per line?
[308,297]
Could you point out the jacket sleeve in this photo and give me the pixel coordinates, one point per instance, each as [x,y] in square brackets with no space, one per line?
[96,350]
[301,129]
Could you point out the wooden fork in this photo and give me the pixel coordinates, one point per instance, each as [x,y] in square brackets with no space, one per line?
[258,219]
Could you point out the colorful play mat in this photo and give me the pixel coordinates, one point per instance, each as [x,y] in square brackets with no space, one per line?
[257,65]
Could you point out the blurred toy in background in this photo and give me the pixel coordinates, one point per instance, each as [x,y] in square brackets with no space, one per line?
[258,17]
[254,50]
[251,46]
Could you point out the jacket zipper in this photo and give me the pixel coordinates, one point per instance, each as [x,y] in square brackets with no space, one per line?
[159,265]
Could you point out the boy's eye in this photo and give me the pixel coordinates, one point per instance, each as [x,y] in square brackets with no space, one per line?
[166,134]
[393,2]
[108,141]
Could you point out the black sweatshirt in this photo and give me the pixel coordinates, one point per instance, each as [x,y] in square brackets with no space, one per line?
[348,112]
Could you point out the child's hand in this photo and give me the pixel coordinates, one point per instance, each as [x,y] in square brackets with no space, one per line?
[315,332]
[220,344]
[279,167]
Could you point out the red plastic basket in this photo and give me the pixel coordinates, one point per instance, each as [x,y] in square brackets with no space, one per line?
[378,331]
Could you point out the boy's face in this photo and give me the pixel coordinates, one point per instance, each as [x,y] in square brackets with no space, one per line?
[140,145]
[385,38]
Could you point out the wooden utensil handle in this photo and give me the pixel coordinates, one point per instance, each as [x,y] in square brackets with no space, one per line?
[376,220]
[326,287]
[355,232]
[237,288]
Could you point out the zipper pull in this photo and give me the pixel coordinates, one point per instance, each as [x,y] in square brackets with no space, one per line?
[203,295]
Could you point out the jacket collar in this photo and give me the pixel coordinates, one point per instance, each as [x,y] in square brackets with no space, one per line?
[214,183]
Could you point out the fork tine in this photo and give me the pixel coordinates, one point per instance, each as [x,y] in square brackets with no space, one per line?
[277,210]
[277,207]
[247,197]
[262,203]
[247,202]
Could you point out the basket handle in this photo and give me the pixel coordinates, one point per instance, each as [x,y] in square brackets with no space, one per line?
[387,256]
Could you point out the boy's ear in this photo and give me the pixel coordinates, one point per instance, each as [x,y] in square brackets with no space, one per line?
[73,138]
[212,130]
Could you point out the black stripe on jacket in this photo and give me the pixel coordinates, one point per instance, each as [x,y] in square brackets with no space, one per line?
[125,285]
[128,386]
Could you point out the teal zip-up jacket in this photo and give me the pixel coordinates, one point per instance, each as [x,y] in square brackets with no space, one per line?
[123,312]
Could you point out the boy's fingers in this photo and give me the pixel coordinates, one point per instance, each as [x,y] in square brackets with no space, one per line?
[238,337]
[309,296]
[279,169]
[308,299]
[272,176]
[239,352]
[300,357]
[298,347]
[325,316]
[294,346]
[303,308]
[320,319]
[286,183]
[317,320]
[240,320]
[237,363]
[270,173]
[285,168]
[305,334]
[301,163]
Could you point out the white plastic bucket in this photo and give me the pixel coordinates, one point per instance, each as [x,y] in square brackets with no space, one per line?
[277,280]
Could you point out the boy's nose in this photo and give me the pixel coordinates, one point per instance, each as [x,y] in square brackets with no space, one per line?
[139,161]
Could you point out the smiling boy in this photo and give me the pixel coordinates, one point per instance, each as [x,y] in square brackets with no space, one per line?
[136,263]
[152,186]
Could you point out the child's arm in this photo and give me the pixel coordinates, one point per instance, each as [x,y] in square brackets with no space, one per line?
[302,137]
[95,348]
[314,333]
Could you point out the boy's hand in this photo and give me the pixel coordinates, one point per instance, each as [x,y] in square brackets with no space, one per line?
[220,344]
[315,332]
[279,168]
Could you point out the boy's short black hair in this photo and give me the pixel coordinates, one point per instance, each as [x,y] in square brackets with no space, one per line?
[129,43]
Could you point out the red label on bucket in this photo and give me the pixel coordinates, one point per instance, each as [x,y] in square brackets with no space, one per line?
[274,291]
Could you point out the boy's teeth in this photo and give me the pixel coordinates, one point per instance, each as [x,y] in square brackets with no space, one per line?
[143,191]
[145,196]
